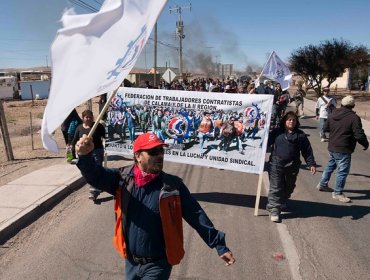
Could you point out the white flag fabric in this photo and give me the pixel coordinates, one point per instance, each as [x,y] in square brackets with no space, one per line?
[276,70]
[93,53]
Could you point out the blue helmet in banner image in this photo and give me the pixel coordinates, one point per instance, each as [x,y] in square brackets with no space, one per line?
[177,127]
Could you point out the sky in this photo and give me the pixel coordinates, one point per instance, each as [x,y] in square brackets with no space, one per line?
[238,32]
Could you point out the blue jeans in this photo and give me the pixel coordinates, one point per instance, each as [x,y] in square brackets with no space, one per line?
[131,131]
[322,124]
[341,162]
[203,137]
[159,270]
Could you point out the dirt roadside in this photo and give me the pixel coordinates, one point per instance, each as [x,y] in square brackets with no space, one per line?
[28,160]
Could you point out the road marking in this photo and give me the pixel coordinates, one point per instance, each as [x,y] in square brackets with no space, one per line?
[287,242]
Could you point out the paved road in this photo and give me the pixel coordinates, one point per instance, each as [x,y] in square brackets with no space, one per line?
[74,239]
[319,239]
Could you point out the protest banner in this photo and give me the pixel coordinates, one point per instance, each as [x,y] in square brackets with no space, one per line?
[220,130]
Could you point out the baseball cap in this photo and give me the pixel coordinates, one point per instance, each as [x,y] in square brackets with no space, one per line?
[348,101]
[147,141]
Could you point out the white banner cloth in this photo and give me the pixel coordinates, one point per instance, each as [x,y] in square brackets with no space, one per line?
[93,53]
[176,117]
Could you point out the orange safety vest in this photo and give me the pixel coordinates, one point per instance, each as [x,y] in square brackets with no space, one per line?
[170,211]
[205,125]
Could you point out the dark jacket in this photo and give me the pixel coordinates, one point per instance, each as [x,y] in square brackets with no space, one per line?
[144,233]
[345,130]
[288,147]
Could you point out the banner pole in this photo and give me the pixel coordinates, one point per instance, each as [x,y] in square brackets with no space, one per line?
[258,195]
[105,108]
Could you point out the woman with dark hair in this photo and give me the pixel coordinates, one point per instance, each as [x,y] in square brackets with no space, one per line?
[288,142]
[98,136]
[74,118]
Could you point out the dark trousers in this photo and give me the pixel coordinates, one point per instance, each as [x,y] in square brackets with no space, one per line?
[283,176]
[158,270]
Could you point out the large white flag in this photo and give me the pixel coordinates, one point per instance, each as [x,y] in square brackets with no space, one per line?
[276,70]
[93,53]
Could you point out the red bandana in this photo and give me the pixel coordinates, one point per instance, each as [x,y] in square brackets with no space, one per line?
[142,178]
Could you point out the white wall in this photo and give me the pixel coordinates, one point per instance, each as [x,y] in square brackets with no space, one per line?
[41,88]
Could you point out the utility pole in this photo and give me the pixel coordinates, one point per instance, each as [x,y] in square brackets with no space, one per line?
[180,31]
[155,55]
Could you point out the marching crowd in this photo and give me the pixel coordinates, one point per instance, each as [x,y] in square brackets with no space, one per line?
[150,204]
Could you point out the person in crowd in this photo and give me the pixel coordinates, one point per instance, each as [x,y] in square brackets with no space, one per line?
[288,142]
[345,130]
[298,98]
[228,133]
[261,89]
[148,85]
[278,105]
[251,89]
[102,102]
[130,123]
[324,107]
[148,233]
[159,125]
[144,119]
[284,101]
[72,117]
[120,123]
[98,136]
[68,129]
[205,130]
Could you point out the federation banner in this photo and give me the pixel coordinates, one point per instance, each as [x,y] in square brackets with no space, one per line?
[220,130]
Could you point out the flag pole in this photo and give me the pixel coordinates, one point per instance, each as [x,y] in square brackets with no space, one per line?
[258,195]
[105,108]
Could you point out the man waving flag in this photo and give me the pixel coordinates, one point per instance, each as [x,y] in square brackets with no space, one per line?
[93,53]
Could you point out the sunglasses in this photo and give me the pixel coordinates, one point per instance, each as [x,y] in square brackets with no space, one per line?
[155,152]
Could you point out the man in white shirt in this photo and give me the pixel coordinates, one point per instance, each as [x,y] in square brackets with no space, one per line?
[324,106]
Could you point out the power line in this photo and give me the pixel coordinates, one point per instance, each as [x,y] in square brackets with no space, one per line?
[165,44]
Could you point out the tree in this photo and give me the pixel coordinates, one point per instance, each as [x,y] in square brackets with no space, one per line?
[328,60]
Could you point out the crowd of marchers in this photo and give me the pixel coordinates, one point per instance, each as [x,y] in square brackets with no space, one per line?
[151,204]
[281,97]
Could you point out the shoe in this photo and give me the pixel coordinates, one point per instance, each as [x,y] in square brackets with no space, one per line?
[341,197]
[322,140]
[324,189]
[274,217]
[93,195]
[241,152]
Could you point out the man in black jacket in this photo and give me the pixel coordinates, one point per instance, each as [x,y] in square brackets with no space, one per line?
[345,129]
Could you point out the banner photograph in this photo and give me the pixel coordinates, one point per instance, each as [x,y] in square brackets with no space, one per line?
[220,130]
